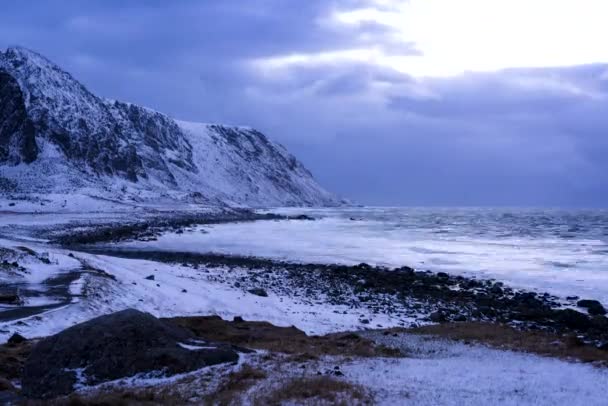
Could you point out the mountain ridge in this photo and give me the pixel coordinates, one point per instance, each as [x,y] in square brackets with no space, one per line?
[51,124]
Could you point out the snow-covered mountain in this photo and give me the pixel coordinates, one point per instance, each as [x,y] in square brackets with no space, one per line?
[57,137]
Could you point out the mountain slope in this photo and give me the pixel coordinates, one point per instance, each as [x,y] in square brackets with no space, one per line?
[51,125]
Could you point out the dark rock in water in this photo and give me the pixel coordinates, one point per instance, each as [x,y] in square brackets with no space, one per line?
[572,297]
[258,292]
[149,277]
[594,307]
[302,217]
[442,275]
[16,338]
[587,303]
[115,346]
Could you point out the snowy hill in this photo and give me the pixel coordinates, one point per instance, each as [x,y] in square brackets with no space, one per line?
[57,137]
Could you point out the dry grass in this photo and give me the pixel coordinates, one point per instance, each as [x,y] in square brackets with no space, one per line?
[12,358]
[287,340]
[506,337]
[316,390]
[230,390]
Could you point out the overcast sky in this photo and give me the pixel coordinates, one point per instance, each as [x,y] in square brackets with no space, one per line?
[421,102]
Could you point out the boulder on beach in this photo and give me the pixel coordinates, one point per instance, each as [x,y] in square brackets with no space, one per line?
[114,346]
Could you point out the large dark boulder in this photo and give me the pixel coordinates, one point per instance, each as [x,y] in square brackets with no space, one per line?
[594,307]
[110,347]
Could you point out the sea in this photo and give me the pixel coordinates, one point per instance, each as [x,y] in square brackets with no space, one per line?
[563,252]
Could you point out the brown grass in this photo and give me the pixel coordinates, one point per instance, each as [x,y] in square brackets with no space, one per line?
[316,390]
[12,358]
[234,385]
[287,340]
[506,337]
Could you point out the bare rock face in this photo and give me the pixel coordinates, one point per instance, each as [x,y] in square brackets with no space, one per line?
[115,346]
[17,134]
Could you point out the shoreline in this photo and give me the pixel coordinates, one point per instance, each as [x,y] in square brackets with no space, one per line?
[404,315]
[438,297]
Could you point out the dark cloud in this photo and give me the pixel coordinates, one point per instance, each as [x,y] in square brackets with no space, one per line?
[516,137]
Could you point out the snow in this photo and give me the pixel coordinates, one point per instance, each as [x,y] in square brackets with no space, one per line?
[439,372]
[433,372]
[195,347]
[242,166]
[164,297]
[36,270]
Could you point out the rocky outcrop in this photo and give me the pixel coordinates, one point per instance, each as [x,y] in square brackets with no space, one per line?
[115,346]
[17,133]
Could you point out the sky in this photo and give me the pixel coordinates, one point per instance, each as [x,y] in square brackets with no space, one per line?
[387,102]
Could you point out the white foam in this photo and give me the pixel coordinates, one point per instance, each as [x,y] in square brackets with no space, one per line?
[575,266]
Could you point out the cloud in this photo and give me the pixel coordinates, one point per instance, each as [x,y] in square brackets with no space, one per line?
[328,90]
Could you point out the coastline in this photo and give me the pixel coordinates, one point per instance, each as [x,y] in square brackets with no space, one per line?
[318,299]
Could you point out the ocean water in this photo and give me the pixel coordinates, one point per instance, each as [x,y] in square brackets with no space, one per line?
[564,252]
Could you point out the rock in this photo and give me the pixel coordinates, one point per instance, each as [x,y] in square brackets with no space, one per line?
[364,321]
[184,291]
[9,298]
[115,346]
[6,385]
[496,289]
[460,317]
[149,277]
[258,292]
[594,307]
[301,217]
[600,322]
[573,319]
[442,275]
[16,338]
[350,336]
[238,319]
[572,297]
[437,317]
